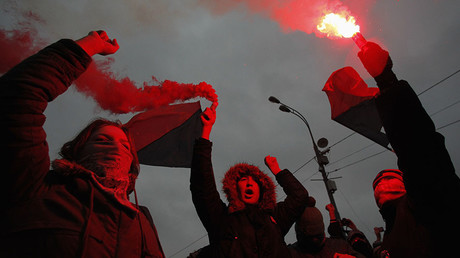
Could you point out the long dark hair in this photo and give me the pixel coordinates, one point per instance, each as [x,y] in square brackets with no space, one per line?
[72,149]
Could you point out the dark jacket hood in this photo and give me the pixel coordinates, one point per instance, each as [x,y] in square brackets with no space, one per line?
[267,199]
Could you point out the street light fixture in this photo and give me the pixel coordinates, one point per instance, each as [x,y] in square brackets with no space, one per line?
[320,157]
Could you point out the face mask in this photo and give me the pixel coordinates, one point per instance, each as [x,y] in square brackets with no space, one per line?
[388,189]
[107,153]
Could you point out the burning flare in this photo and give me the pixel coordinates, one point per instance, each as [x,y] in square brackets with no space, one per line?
[336,25]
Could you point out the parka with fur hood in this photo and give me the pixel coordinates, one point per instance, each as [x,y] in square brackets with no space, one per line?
[238,229]
[64,212]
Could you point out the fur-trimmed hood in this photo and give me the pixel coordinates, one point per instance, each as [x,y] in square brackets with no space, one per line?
[267,199]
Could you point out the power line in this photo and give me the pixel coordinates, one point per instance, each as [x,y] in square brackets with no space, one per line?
[304,165]
[436,84]
[361,160]
[356,162]
[335,170]
[278,199]
[378,153]
[449,124]
[442,109]
[346,137]
[352,154]
[354,212]
[431,115]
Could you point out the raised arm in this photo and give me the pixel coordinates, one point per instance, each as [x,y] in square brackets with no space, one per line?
[429,175]
[25,91]
[205,196]
[289,210]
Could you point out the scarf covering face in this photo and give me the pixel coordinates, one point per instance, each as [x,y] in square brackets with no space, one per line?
[115,188]
[388,185]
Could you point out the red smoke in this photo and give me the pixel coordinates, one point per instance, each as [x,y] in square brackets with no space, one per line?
[122,95]
[17,44]
[14,47]
[112,94]
[291,15]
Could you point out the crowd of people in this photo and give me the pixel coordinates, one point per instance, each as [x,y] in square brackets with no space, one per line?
[81,207]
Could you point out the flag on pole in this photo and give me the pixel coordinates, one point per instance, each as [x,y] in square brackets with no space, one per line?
[165,136]
[353,104]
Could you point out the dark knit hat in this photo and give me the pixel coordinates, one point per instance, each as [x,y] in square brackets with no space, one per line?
[310,222]
[387,173]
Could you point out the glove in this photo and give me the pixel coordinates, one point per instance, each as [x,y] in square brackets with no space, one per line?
[378,63]
[375,59]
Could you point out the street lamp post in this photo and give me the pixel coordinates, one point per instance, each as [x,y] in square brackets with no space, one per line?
[320,157]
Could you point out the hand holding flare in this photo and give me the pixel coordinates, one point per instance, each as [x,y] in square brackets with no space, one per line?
[208,118]
[375,59]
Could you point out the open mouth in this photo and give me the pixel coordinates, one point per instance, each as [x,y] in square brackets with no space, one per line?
[249,192]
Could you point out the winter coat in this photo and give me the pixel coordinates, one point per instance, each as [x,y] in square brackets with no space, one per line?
[64,212]
[420,223]
[240,230]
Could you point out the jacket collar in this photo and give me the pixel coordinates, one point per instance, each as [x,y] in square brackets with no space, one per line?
[68,168]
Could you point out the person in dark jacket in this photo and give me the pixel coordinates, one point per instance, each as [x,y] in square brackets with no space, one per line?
[418,200]
[80,208]
[312,240]
[253,224]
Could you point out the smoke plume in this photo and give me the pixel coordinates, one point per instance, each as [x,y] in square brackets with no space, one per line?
[291,15]
[112,94]
[122,95]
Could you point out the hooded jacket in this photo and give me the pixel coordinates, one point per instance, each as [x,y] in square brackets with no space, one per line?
[421,222]
[64,212]
[237,229]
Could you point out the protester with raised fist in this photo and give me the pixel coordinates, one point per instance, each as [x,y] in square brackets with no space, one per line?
[81,207]
[252,224]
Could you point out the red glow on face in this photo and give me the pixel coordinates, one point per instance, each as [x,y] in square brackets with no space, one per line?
[108,147]
[388,188]
[248,190]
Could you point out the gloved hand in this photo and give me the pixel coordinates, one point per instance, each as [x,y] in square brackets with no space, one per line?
[375,59]
[208,118]
[98,42]
[272,164]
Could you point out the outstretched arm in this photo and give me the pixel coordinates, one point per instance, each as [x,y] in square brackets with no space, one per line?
[205,196]
[422,155]
[25,91]
[208,118]
[289,210]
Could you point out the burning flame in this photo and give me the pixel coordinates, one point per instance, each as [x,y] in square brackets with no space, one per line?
[336,25]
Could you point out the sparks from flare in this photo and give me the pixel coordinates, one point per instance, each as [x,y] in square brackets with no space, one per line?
[336,25]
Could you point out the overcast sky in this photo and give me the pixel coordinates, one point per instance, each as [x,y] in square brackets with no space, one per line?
[248,57]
